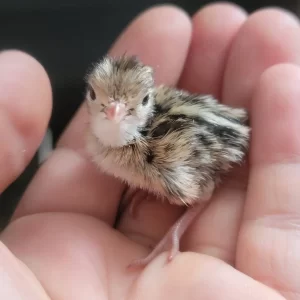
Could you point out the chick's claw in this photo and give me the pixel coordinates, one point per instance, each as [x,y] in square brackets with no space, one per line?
[171,239]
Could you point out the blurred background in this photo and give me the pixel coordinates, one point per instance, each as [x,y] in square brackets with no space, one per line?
[66,36]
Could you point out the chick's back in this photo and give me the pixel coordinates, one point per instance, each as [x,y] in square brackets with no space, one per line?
[192,140]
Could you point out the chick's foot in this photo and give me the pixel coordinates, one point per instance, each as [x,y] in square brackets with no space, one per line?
[171,240]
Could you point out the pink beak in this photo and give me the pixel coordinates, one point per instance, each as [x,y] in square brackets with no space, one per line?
[115,111]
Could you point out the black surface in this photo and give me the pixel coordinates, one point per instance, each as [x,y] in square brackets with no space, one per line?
[66,36]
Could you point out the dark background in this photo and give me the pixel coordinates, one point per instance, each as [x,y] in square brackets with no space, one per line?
[66,36]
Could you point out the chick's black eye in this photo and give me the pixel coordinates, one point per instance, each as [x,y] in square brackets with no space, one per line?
[145,100]
[92,93]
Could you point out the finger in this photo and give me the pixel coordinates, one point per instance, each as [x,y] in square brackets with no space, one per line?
[85,267]
[25,107]
[269,243]
[17,282]
[269,37]
[73,183]
[191,275]
[217,230]
[65,252]
[215,28]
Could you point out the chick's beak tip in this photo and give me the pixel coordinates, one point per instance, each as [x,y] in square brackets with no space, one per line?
[115,111]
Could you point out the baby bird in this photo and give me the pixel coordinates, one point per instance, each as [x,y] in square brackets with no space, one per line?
[161,140]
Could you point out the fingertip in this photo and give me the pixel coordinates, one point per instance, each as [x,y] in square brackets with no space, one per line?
[164,47]
[21,76]
[210,10]
[163,13]
[214,28]
[268,37]
[213,17]
[264,14]
[171,10]
[25,106]
[280,71]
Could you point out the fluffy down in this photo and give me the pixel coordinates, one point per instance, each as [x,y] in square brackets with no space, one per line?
[190,141]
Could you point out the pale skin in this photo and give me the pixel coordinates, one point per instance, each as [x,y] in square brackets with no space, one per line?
[60,243]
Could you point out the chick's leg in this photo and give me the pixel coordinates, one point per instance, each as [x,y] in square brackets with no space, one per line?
[172,238]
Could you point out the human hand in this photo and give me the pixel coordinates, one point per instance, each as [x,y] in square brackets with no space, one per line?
[61,243]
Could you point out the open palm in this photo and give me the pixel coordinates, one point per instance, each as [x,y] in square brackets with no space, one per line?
[63,241]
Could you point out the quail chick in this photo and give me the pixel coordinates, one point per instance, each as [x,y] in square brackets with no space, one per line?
[167,142]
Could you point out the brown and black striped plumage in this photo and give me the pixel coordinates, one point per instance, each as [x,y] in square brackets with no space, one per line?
[177,145]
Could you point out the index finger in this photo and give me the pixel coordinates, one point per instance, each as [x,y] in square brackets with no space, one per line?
[68,181]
